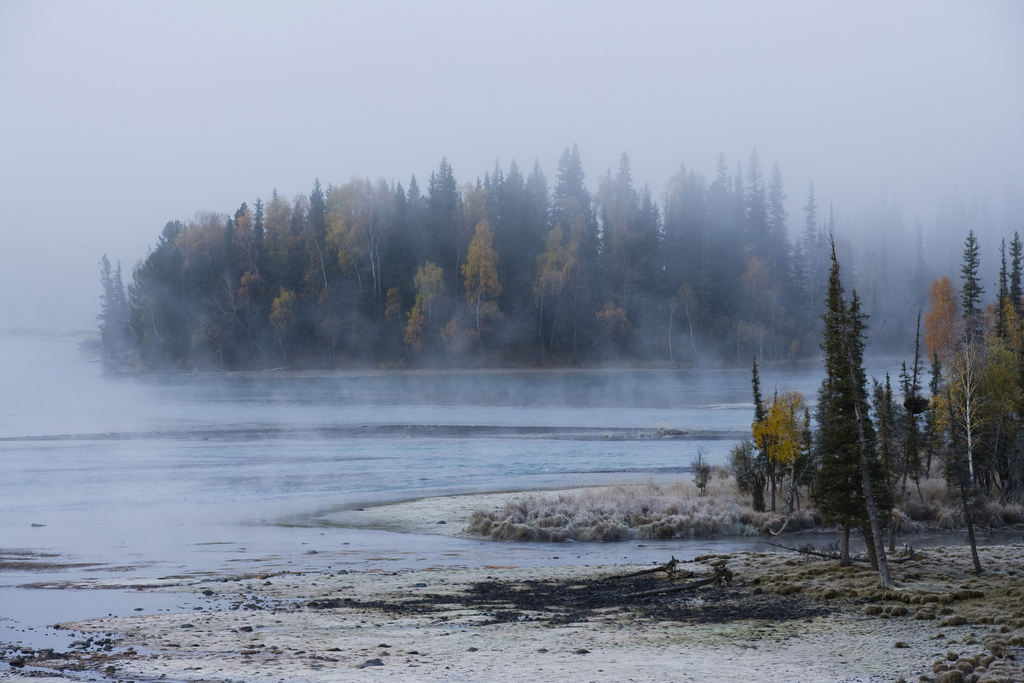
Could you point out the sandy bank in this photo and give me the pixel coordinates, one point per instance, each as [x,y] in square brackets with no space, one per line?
[424,515]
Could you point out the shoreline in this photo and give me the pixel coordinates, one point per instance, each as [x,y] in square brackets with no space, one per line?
[781,617]
[434,515]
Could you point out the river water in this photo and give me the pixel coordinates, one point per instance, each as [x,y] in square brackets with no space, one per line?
[156,475]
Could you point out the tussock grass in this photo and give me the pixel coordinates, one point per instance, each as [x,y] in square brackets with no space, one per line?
[632,511]
[938,506]
[648,510]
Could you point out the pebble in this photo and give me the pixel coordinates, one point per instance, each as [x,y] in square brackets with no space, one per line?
[371,662]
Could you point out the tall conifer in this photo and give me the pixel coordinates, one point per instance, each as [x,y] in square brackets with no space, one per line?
[970,293]
[1016,249]
[851,479]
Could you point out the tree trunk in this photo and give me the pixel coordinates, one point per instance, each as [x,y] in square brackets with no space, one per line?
[970,528]
[892,535]
[869,499]
[844,553]
[792,489]
[872,546]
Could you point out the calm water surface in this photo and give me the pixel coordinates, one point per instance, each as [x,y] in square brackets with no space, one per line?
[197,455]
[198,487]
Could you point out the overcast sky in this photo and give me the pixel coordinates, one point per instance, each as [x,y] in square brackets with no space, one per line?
[117,117]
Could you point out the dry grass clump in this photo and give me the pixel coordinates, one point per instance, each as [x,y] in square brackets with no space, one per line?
[631,511]
[937,506]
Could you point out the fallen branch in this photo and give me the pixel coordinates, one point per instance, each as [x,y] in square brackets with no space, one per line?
[807,551]
[722,574]
[669,567]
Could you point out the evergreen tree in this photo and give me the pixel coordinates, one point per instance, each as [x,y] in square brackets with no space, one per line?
[914,404]
[749,466]
[755,208]
[1004,293]
[778,218]
[160,303]
[850,486]
[444,231]
[970,293]
[113,317]
[322,263]
[1016,250]
[572,210]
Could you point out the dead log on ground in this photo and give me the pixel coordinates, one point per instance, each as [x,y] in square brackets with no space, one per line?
[722,574]
[668,567]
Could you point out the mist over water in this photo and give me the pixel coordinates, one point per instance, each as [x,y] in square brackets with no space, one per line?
[154,476]
[147,457]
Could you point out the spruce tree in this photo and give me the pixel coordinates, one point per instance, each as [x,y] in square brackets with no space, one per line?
[1004,292]
[753,474]
[915,404]
[850,486]
[1016,250]
[970,294]
[106,315]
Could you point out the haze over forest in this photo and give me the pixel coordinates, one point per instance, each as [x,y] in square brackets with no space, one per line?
[118,118]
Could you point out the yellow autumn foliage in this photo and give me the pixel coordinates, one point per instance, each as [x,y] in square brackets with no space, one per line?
[781,432]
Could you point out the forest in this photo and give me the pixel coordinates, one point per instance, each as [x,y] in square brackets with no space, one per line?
[510,270]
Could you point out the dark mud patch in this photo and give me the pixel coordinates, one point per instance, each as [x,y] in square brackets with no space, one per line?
[565,601]
[562,602]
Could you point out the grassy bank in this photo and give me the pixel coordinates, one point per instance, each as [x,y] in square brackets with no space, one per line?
[650,510]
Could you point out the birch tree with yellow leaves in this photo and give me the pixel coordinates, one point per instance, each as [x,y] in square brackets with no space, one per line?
[481,273]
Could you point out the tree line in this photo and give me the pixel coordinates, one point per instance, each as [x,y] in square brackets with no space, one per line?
[508,269]
[868,451]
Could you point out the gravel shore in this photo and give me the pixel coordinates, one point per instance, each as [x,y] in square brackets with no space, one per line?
[779,617]
[748,616]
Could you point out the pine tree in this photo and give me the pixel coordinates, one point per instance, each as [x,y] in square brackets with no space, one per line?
[970,294]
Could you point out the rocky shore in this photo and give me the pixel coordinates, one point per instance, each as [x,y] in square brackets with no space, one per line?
[741,616]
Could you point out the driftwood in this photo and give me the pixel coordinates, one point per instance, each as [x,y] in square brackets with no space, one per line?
[831,556]
[808,551]
[669,567]
[721,574]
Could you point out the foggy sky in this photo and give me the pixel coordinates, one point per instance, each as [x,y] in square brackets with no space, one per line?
[117,117]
